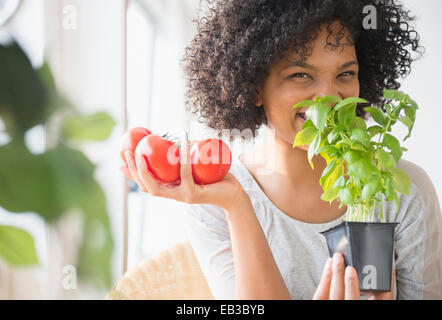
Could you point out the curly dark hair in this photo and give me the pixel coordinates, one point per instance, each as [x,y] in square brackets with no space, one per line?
[238,40]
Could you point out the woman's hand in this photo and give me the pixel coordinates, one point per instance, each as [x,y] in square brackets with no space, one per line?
[225,194]
[339,282]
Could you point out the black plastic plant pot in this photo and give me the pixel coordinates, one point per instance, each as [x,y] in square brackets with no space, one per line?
[368,247]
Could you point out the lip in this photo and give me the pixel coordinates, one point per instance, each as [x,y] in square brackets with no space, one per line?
[299,117]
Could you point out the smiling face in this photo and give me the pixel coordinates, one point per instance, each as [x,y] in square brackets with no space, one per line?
[325,72]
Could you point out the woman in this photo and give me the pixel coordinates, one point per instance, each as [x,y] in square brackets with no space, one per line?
[256,233]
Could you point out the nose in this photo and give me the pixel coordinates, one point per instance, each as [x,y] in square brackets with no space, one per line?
[328,89]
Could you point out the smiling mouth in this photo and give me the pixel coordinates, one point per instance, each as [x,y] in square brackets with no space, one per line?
[302,116]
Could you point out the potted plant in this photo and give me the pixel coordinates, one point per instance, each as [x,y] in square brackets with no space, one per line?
[361,170]
[57,181]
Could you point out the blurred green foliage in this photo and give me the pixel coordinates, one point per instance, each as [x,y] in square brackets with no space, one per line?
[58,180]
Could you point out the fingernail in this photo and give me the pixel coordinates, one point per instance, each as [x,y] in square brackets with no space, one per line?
[350,274]
[337,259]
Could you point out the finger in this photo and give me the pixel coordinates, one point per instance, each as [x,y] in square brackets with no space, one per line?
[185,163]
[337,281]
[189,191]
[126,172]
[152,186]
[351,284]
[133,170]
[146,178]
[323,289]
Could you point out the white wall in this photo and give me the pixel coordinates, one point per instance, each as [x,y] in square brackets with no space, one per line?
[424,84]
[88,65]
[27,282]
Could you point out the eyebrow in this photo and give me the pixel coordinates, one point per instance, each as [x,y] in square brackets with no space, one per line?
[309,66]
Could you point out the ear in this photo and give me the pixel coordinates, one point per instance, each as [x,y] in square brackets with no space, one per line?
[259,102]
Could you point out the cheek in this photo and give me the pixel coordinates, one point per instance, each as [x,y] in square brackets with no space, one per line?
[353,89]
[279,104]
[281,118]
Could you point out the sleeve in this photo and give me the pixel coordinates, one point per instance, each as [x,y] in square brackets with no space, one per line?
[208,233]
[418,260]
[410,238]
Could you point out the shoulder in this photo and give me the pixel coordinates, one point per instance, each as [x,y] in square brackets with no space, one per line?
[422,182]
[422,201]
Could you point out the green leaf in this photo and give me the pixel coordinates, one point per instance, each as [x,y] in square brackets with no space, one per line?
[359,135]
[386,159]
[347,114]
[330,194]
[401,181]
[358,146]
[305,136]
[374,130]
[303,103]
[377,115]
[389,190]
[17,246]
[340,144]
[370,189]
[23,96]
[52,183]
[351,156]
[313,148]
[393,144]
[348,101]
[308,124]
[330,99]
[412,103]
[327,181]
[27,183]
[340,182]
[361,168]
[97,126]
[406,121]
[329,168]
[390,194]
[328,149]
[394,95]
[318,114]
[410,112]
[345,196]
[327,152]
[358,122]
[333,136]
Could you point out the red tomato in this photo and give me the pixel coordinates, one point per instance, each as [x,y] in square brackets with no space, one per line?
[211,160]
[162,157]
[131,138]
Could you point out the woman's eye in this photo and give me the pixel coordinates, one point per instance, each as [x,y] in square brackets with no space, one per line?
[348,73]
[300,75]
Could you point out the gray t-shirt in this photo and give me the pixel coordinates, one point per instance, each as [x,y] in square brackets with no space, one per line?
[300,251]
